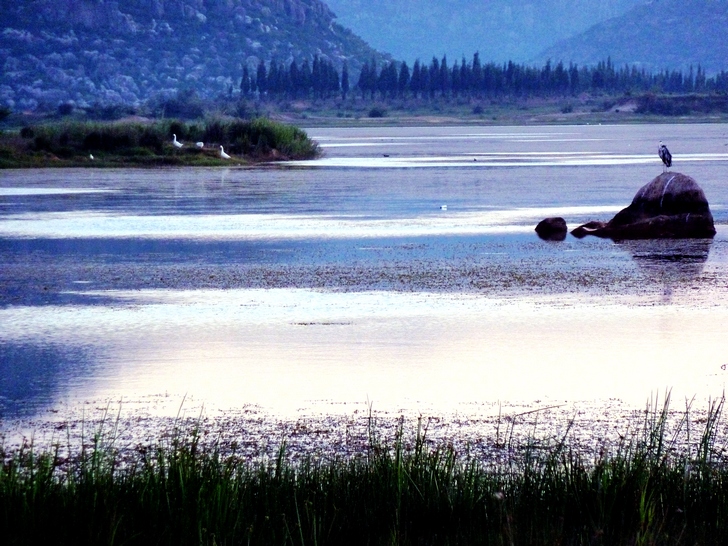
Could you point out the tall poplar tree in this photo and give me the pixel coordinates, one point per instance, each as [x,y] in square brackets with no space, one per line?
[403,80]
[261,78]
[245,83]
[416,79]
[344,80]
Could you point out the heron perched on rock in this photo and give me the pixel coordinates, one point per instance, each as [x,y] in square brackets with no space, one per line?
[176,143]
[223,154]
[665,155]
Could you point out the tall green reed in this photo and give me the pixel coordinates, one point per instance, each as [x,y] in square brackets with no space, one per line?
[652,488]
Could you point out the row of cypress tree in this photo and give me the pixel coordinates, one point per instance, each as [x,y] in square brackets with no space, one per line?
[469,78]
[320,80]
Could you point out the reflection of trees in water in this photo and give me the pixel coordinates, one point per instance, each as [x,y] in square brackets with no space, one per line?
[669,262]
[31,375]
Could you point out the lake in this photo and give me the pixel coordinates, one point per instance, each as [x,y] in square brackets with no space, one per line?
[400,271]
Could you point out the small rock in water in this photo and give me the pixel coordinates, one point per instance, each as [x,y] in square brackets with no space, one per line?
[552,229]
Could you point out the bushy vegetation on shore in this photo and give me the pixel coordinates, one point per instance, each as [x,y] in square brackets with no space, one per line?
[650,490]
[76,143]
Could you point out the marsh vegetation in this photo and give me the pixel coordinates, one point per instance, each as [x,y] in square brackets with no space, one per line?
[659,484]
[77,143]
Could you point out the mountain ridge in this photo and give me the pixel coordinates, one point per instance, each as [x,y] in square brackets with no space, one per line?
[500,30]
[657,35]
[106,52]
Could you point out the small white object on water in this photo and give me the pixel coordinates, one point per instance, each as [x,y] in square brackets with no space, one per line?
[443,207]
[176,143]
[223,154]
[200,144]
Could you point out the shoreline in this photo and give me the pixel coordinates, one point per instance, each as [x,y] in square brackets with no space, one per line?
[490,433]
[14,154]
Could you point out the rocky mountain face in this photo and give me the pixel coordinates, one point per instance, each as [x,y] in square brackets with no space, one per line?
[124,52]
[657,35]
[500,30]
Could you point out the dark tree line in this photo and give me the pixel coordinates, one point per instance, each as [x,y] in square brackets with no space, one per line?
[509,79]
[319,80]
[470,79]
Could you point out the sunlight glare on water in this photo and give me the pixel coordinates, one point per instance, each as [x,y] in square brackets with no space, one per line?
[357,278]
[286,349]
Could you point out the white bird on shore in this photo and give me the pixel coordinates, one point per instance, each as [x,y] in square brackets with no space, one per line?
[176,143]
[200,144]
[223,154]
[91,157]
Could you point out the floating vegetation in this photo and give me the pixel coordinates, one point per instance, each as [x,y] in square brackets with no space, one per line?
[661,483]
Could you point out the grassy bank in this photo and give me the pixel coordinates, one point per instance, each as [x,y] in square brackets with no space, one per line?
[74,144]
[652,489]
[583,109]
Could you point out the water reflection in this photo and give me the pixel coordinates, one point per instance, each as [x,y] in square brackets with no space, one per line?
[669,262]
[33,374]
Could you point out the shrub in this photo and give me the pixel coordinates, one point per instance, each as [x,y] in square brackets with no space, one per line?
[377,112]
[151,139]
[42,143]
[177,128]
[109,112]
[185,105]
[65,109]
[214,132]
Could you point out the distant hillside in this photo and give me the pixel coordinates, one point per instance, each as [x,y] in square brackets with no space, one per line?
[501,30]
[659,35]
[109,52]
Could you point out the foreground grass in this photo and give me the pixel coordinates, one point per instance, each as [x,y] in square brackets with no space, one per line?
[647,492]
[74,144]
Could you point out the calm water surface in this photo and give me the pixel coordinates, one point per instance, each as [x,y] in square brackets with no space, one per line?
[400,270]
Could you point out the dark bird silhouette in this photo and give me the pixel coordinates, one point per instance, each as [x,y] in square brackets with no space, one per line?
[665,155]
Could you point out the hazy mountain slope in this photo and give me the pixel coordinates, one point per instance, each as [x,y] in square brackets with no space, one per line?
[500,30]
[112,52]
[663,34]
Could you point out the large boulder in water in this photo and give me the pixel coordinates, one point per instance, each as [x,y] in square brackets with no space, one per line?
[672,206]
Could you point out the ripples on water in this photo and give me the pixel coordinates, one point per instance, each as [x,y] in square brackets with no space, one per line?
[359,278]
